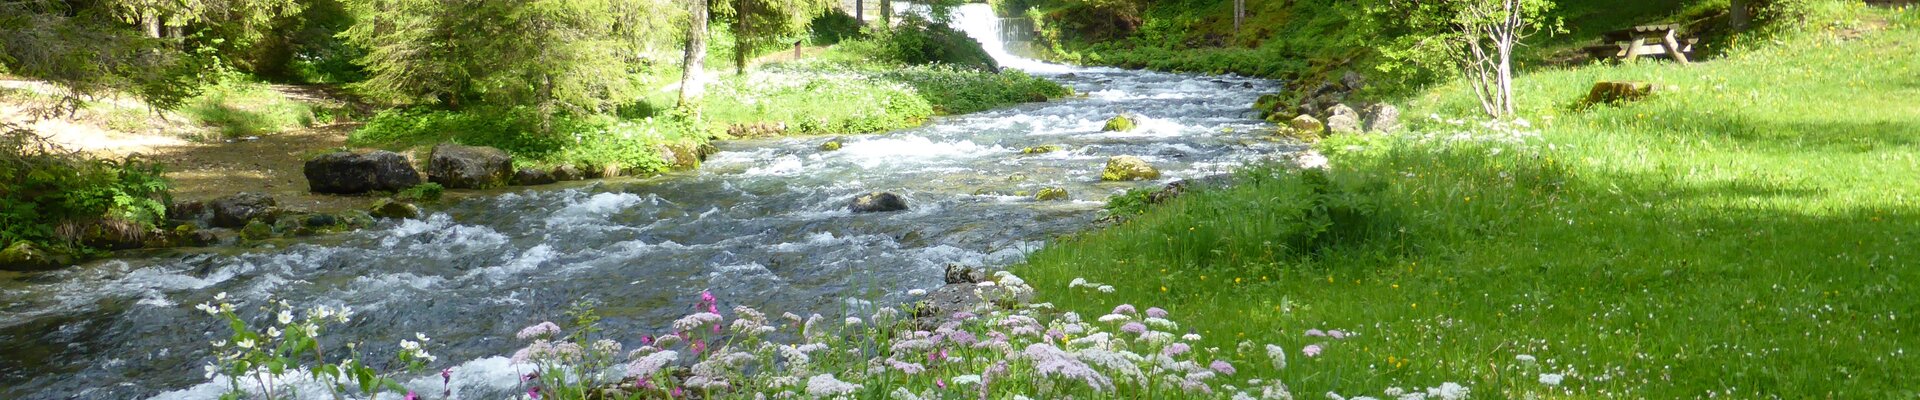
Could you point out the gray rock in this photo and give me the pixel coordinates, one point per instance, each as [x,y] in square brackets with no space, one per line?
[234,211]
[957,273]
[1342,119]
[1382,117]
[530,176]
[567,173]
[344,172]
[1353,81]
[878,202]
[469,167]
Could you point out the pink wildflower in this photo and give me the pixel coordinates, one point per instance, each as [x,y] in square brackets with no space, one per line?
[542,329]
[1222,367]
[1176,349]
[1315,332]
[1156,312]
[1134,328]
[1124,309]
[1312,350]
[411,396]
[1337,334]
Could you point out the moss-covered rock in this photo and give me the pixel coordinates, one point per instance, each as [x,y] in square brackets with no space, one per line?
[1042,149]
[1051,194]
[389,208]
[1128,168]
[1119,123]
[830,145]
[1307,124]
[27,256]
[257,230]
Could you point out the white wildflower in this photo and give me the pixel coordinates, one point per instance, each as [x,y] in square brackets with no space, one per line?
[917,292]
[1552,379]
[1106,289]
[851,321]
[1524,358]
[286,317]
[824,385]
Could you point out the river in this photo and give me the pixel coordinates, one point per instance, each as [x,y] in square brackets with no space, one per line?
[763,223]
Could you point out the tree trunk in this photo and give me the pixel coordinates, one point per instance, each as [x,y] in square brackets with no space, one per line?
[1739,14]
[741,32]
[696,54]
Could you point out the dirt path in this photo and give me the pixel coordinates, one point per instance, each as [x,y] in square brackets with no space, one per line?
[200,171]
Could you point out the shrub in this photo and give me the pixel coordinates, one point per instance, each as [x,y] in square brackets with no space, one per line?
[833,27]
[43,187]
[917,41]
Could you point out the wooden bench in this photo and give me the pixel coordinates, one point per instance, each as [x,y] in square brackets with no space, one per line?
[1645,40]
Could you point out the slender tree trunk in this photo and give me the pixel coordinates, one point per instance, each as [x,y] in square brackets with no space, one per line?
[696,54]
[741,32]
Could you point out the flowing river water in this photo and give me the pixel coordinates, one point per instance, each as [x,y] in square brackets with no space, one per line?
[762,223]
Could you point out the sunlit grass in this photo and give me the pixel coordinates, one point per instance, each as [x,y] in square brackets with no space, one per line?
[1747,232]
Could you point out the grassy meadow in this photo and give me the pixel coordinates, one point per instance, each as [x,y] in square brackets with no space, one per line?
[1747,232]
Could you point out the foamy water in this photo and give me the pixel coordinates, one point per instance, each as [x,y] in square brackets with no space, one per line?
[764,223]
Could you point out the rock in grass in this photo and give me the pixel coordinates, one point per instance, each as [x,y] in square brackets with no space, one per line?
[25,256]
[1051,194]
[234,211]
[388,208]
[344,172]
[957,274]
[1042,149]
[1119,123]
[878,202]
[1607,92]
[1307,125]
[532,176]
[1342,119]
[256,230]
[830,145]
[469,167]
[1382,118]
[1128,168]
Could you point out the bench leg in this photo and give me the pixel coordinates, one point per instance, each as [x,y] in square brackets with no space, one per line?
[1673,48]
[1633,50]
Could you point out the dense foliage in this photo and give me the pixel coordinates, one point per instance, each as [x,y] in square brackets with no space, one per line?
[47,193]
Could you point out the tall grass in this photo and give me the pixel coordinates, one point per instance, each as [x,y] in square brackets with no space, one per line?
[236,108]
[1747,232]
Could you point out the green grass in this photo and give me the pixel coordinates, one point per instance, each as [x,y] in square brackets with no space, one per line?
[238,109]
[1747,232]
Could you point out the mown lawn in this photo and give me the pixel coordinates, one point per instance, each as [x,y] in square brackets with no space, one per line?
[1751,231]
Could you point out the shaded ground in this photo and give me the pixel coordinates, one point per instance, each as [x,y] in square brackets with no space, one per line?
[270,163]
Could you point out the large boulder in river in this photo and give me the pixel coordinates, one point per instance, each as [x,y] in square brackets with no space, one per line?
[345,172]
[1342,119]
[533,176]
[1119,123]
[25,256]
[1128,168]
[469,167]
[234,211]
[878,202]
[685,155]
[387,208]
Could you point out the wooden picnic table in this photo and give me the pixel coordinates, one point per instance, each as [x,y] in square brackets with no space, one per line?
[1645,40]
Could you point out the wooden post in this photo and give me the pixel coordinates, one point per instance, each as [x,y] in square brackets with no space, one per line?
[1673,47]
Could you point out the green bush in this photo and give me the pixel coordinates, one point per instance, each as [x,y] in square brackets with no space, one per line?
[917,41]
[43,187]
[834,27]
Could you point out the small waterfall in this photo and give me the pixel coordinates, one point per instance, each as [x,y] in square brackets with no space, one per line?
[995,33]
